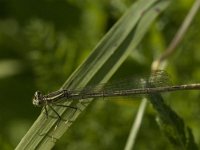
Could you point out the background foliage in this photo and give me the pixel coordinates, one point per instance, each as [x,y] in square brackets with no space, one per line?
[42,43]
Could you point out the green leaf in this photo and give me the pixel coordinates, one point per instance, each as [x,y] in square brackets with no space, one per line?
[172,125]
[102,63]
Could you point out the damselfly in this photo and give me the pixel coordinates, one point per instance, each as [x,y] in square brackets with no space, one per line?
[158,82]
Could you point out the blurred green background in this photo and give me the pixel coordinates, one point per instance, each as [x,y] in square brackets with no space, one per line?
[43,42]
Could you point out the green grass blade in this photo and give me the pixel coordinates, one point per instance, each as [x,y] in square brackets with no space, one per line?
[108,55]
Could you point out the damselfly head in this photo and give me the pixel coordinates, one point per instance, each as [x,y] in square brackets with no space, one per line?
[38,99]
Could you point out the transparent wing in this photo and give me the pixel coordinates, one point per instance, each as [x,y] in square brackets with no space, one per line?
[159,78]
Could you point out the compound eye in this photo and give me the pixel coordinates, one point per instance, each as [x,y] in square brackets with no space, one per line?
[38,97]
[38,93]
